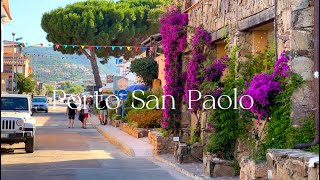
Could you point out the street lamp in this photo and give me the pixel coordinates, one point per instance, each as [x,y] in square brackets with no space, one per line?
[17,59]
[13,34]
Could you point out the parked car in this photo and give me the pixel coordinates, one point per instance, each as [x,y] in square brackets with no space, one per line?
[17,125]
[40,103]
[65,100]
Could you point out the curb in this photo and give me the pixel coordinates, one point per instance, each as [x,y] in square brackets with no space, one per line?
[123,147]
[182,171]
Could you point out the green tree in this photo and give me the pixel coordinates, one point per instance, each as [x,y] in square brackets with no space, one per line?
[25,84]
[49,88]
[145,68]
[75,89]
[66,85]
[102,22]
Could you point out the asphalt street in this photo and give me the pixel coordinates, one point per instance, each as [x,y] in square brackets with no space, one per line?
[76,154]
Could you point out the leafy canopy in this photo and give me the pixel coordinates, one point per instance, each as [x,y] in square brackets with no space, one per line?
[103,22]
[25,84]
[145,68]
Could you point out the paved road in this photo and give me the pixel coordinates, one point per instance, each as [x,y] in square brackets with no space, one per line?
[76,154]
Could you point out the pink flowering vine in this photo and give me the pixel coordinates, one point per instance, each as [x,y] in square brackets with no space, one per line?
[265,87]
[174,41]
[200,39]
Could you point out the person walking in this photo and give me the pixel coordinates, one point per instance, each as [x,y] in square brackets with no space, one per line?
[71,112]
[90,106]
[85,110]
[103,111]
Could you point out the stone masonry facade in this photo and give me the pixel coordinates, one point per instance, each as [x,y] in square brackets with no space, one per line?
[243,19]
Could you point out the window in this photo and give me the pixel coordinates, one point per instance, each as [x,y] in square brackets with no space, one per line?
[13,103]
[39,99]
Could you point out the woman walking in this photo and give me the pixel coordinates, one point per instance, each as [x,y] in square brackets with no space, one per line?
[85,110]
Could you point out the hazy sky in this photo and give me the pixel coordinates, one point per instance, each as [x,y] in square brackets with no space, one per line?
[26,19]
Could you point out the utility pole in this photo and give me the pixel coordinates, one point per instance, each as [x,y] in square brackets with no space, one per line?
[13,34]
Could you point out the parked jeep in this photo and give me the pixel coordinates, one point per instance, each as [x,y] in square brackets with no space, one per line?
[17,125]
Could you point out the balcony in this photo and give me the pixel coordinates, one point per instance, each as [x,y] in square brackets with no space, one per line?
[7,71]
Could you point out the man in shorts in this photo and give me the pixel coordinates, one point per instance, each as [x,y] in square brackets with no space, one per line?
[103,111]
[71,112]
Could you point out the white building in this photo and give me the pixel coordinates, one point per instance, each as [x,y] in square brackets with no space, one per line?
[5,18]
[124,66]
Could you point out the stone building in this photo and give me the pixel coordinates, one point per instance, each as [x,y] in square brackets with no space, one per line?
[250,24]
[253,26]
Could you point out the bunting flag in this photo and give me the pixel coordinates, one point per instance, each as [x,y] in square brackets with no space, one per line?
[113,47]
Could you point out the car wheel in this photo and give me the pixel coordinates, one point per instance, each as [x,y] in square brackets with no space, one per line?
[46,111]
[30,145]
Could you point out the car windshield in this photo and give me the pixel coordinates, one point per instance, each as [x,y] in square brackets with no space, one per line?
[14,103]
[39,99]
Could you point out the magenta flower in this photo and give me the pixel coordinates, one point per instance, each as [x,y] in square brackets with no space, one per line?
[200,39]
[264,88]
[174,41]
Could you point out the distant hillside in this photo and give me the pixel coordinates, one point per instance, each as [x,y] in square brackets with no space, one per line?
[49,65]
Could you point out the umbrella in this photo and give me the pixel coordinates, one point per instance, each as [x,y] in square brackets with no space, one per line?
[137,87]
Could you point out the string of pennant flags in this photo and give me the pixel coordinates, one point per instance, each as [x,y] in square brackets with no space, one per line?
[129,48]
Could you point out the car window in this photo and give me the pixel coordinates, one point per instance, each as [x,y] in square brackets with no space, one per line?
[39,100]
[14,103]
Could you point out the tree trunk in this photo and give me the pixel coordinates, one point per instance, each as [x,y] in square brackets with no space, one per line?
[94,66]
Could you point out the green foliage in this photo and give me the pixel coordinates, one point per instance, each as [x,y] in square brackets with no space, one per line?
[74,89]
[103,22]
[65,85]
[49,88]
[194,137]
[279,131]
[25,84]
[145,68]
[111,113]
[231,124]
[118,117]
[144,97]
[258,63]
[225,121]
[164,132]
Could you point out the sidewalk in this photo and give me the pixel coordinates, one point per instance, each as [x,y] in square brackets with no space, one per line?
[141,148]
[131,146]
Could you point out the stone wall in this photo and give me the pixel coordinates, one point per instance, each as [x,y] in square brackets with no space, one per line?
[160,144]
[251,170]
[289,164]
[295,33]
[216,167]
[135,132]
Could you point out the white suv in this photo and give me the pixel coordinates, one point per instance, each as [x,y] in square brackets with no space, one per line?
[17,125]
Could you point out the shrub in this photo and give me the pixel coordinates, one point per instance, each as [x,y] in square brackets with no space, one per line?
[145,68]
[145,118]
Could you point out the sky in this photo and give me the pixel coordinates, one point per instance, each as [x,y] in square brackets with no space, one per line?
[26,19]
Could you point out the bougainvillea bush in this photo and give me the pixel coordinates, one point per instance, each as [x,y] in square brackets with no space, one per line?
[265,87]
[174,41]
[212,73]
[200,40]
